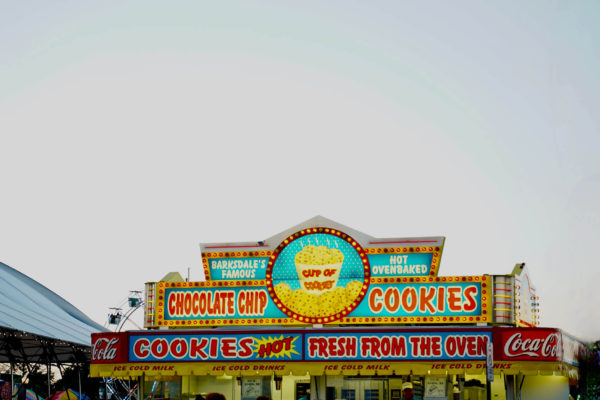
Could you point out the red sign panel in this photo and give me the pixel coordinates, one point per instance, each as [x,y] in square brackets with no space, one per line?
[336,344]
[109,348]
[528,344]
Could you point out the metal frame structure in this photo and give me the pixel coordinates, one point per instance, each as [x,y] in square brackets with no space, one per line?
[116,386]
[39,327]
[27,348]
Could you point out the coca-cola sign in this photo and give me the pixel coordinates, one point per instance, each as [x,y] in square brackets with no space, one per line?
[531,344]
[106,348]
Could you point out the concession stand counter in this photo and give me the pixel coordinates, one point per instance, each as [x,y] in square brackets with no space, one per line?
[322,311]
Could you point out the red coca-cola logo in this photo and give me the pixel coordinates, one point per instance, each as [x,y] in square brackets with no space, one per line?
[105,349]
[545,347]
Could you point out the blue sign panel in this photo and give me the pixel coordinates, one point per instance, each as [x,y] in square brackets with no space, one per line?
[187,303]
[221,347]
[396,346]
[412,264]
[421,299]
[237,268]
[301,260]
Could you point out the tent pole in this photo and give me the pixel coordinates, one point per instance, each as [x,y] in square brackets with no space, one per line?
[12,379]
[138,392]
[48,373]
[79,379]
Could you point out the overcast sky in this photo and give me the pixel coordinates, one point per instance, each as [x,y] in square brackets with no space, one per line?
[132,131]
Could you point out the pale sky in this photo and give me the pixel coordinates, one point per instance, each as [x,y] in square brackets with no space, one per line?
[132,131]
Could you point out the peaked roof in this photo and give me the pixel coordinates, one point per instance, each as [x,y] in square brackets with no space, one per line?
[30,311]
[362,238]
[316,222]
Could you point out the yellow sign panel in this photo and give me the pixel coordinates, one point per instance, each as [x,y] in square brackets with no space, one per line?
[166,370]
[423,300]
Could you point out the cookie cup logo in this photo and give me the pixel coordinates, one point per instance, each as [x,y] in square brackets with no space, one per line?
[318,275]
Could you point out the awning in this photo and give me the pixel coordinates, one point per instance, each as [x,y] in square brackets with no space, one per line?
[160,371]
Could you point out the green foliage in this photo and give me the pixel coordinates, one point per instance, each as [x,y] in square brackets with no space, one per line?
[589,373]
[37,380]
[71,377]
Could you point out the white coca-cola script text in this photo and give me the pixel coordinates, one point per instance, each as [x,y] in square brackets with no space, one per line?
[546,347]
[105,349]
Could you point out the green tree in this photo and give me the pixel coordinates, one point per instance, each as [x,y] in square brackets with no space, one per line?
[72,375]
[37,379]
[589,373]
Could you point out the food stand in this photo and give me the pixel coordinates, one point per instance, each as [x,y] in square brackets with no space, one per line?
[325,311]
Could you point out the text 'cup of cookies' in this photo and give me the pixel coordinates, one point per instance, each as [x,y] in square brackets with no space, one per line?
[318,268]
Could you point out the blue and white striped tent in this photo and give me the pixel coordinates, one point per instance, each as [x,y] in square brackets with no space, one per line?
[39,326]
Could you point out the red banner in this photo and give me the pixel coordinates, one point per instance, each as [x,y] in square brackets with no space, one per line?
[539,344]
[510,344]
[109,348]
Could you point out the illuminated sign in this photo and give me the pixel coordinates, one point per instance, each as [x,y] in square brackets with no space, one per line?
[328,350]
[387,257]
[452,299]
[216,347]
[406,300]
[397,346]
[185,303]
[526,307]
[318,275]
[402,262]
[325,345]
[235,265]
[108,348]
[538,344]
[390,262]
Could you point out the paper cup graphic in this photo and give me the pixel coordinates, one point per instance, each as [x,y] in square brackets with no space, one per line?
[318,276]
[318,268]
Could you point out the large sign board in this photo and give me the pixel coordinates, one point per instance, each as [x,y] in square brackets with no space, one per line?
[462,300]
[386,257]
[398,261]
[327,350]
[534,344]
[291,345]
[322,275]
